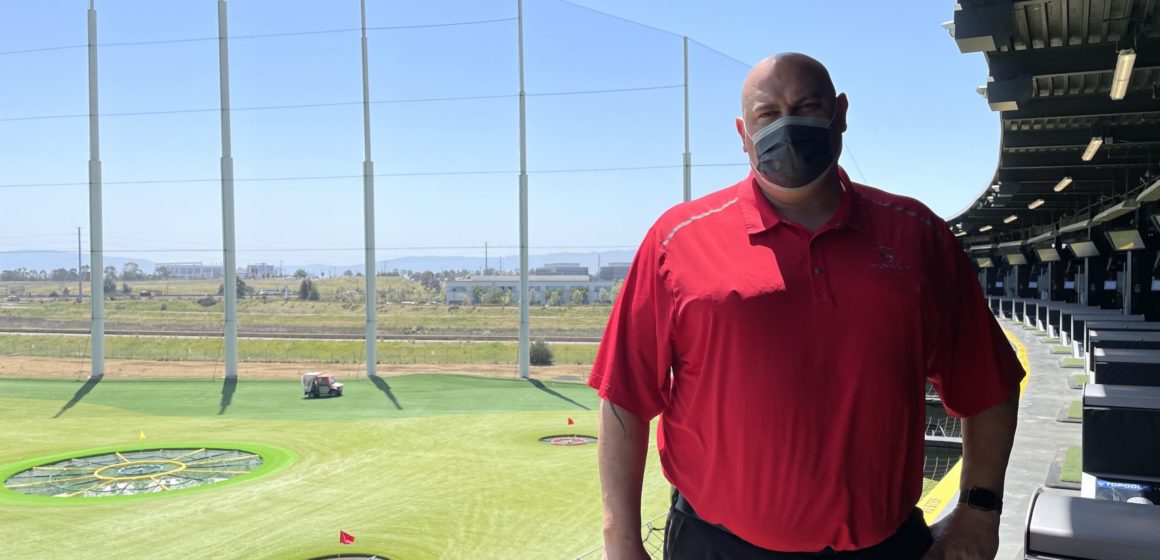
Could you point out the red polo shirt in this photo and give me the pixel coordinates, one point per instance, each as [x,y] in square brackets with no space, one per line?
[788,367]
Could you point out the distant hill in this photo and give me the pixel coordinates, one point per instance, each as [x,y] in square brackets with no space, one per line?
[49,260]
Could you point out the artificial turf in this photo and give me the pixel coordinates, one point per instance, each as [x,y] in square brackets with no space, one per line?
[421,467]
[1072,468]
[1075,410]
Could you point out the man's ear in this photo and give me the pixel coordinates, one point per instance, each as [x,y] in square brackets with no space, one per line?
[841,106]
[741,133]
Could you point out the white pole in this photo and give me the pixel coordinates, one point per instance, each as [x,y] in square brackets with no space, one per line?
[229,266]
[524,335]
[688,156]
[368,204]
[96,218]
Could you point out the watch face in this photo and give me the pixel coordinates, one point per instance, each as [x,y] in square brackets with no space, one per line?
[982,498]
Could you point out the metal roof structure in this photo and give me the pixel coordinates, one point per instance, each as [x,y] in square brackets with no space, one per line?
[1077,146]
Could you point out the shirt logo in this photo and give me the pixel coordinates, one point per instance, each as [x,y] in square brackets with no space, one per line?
[886,254]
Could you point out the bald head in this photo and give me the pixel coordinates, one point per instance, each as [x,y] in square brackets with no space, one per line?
[785,77]
[789,85]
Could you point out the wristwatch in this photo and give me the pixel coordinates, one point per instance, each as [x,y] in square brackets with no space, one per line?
[981,498]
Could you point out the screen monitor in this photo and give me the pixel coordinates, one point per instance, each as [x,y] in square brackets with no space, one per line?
[1156,284]
[1048,255]
[1085,249]
[1016,258]
[1069,284]
[998,283]
[1126,240]
[984,262]
[1033,284]
[1109,284]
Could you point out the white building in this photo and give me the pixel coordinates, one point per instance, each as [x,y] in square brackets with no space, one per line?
[462,291]
[191,270]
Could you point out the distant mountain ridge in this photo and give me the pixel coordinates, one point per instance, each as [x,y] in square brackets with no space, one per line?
[50,260]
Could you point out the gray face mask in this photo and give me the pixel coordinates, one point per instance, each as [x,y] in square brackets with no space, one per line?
[793,152]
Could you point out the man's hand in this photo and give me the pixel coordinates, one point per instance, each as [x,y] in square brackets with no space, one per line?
[965,534]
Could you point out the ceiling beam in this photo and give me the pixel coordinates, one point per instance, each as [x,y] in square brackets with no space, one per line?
[1135,102]
[1077,136]
[1068,60]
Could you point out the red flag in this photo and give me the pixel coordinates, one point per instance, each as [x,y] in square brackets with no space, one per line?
[345,538]
[570,422]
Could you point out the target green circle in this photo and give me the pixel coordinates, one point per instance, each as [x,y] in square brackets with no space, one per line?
[133,472]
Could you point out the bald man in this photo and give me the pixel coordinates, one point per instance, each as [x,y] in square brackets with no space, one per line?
[784,329]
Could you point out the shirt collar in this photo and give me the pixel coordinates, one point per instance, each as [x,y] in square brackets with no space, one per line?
[760,215]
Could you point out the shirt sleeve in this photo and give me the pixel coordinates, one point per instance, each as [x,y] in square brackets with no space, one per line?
[635,356]
[973,366]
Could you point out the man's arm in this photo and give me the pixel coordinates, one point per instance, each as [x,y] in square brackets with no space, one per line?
[621,449]
[987,440]
[969,533]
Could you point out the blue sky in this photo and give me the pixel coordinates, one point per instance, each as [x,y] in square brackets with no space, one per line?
[449,179]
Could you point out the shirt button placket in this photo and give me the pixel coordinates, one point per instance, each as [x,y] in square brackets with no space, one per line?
[820,281]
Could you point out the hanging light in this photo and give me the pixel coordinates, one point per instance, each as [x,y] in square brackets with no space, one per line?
[1036,204]
[1124,63]
[984,229]
[1010,219]
[1092,148]
[1062,184]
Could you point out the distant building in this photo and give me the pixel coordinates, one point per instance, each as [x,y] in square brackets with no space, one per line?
[613,272]
[261,270]
[462,291]
[191,270]
[561,269]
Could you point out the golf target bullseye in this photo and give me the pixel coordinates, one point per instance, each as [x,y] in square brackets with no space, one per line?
[568,440]
[127,473]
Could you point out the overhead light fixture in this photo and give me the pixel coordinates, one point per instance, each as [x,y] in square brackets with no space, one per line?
[960,234]
[1010,219]
[1124,63]
[1036,204]
[984,228]
[1092,148]
[1062,184]
[995,188]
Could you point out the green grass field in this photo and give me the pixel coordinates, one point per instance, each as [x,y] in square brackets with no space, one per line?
[424,467]
[309,351]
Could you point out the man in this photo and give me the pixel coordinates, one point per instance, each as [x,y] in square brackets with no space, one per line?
[783,329]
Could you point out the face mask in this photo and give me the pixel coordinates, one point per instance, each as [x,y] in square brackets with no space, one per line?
[794,151]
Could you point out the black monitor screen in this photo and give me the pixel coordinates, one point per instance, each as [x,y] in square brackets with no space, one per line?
[1126,240]
[1048,255]
[1085,249]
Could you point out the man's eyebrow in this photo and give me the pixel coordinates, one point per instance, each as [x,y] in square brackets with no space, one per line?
[758,106]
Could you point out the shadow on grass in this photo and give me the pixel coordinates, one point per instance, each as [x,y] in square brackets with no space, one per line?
[80,394]
[540,385]
[229,385]
[382,385]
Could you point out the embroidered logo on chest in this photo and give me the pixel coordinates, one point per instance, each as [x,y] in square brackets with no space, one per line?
[887,256]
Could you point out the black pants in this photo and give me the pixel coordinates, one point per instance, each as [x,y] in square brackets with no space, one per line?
[688,537]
